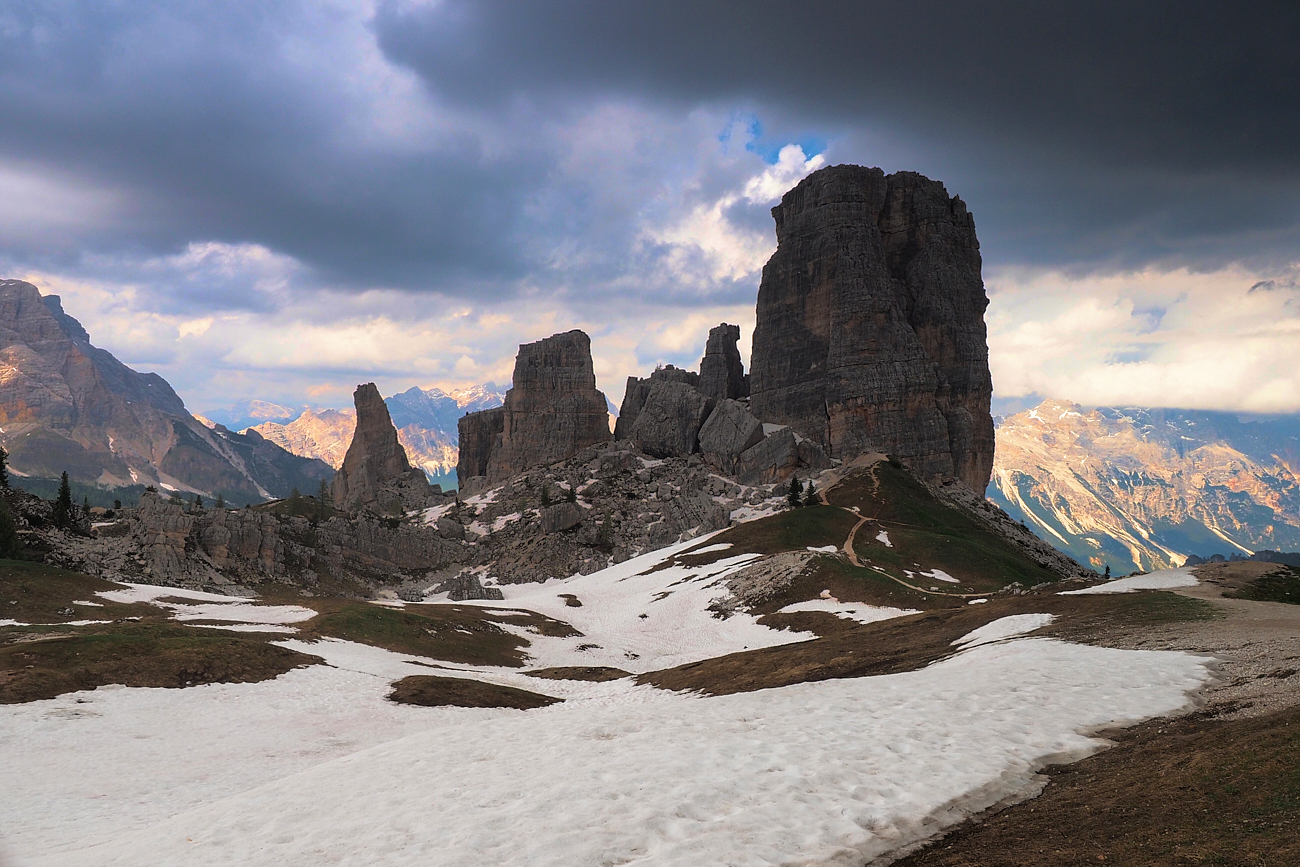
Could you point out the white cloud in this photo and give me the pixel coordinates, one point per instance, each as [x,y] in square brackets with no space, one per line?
[1148,338]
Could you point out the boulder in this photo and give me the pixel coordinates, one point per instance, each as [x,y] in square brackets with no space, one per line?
[774,459]
[638,391]
[870,330]
[729,431]
[561,517]
[669,423]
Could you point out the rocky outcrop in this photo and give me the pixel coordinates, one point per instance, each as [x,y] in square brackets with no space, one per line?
[161,542]
[722,374]
[729,431]
[638,392]
[668,425]
[426,422]
[870,328]
[66,404]
[375,472]
[552,411]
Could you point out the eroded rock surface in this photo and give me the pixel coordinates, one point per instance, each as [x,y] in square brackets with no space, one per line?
[669,423]
[722,374]
[376,473]
[552,412]
[870,330]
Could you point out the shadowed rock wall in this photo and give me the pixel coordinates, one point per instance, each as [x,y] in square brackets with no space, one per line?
[552,411]
[870,330]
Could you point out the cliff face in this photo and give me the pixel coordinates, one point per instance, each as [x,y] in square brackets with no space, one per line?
[722,374]
[68,405]
[870,328]
[1135,488]
[375,471]
[552,412]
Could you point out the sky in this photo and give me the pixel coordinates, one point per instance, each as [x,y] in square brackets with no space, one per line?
[279,201]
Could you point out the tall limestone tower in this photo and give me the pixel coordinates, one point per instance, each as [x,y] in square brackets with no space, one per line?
[870,330]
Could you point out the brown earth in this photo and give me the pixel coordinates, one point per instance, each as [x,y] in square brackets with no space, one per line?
[138,654]
[1221,786]
[592,673]
[429,690]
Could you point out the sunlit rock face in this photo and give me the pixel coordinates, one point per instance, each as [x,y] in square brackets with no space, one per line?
[67,405]
[1133,488]
[553,411]
[870,330]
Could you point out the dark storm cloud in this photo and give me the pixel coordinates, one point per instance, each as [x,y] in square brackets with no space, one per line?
[209,127]
[1083,135]
[1116,131]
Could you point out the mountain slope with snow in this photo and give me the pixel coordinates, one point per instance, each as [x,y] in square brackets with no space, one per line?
[1145,488]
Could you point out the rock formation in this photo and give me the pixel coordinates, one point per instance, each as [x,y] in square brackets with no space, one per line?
[638,391]
[375,471]
[668,425]
[552,412]
[870,328]
[426,422]
[722,374]
[68,405]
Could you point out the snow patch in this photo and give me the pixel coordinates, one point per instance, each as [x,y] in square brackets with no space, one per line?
[1003,627]
[1165,579]
[883,537]
[825,549]
[847,610]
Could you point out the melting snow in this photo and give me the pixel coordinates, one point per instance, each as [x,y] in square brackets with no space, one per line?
[1003,627]
[315,767]
[847,610]
[940,575]
[825,549]
[1165,579]
[882,536]
[213,606]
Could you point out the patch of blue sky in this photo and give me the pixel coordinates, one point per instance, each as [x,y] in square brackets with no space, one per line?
[769,148]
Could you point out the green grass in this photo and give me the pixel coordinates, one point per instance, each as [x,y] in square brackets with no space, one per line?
[36,593]
[794,530]
[1280,586]
[137,654]
[927,533]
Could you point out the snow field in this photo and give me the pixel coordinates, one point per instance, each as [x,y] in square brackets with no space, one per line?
[211,606]
[1165,579]
[677,628]
[835,772]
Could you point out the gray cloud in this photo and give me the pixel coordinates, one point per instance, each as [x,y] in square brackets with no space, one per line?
[1085,137]
[1104,132]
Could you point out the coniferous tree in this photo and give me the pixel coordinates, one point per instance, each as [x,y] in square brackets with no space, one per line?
[4,468]
[810,494]
[794,496]
[221,501]
[63,504]
[10,543]
[198,503]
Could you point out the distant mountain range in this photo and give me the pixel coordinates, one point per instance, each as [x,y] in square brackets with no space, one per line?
[426,422]
[1146,488]
[66,405]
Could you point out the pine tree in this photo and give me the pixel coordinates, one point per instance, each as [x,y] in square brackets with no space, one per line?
[323,492]
[1107,575]
[4,468]
[198,503]
[10,543]
[810,495]
[63,504]
[221,501]
[794,497]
